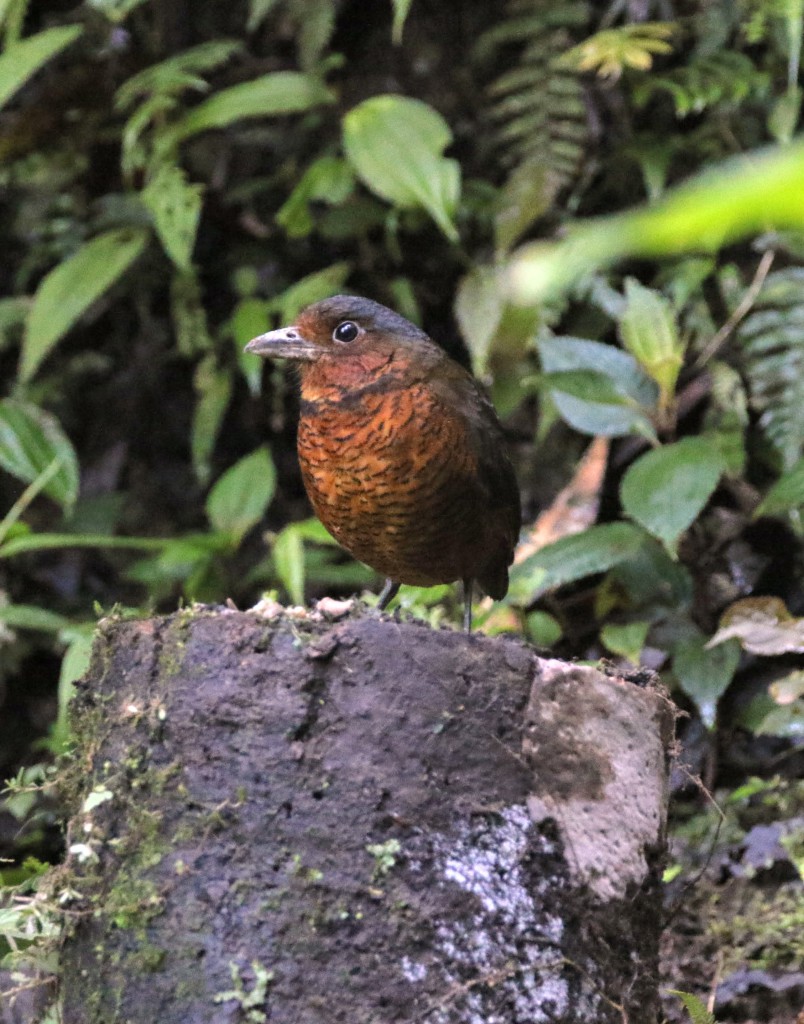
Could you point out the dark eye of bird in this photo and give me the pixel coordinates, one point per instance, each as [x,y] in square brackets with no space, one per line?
[347,331]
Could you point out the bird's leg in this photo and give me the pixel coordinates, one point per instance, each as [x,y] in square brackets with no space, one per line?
[467,605]
[387,594]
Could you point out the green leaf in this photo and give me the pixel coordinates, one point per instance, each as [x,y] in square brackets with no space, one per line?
[71,287]
[288,556]
[573,558]
[401,8]
[213,388]
[74,665]
[28,616]
[524,197]
[784,115]
[626,639]
[328,179]
[311,288]
[753,193]
[395,144]
[664,490]
[649,332]
[283,92]
[50,541]
[182,71]
[240,497]
[786,495]
[612,50]
[625,379]
[772,342]
[705,673]
[543,629]
[694,1007]
[22,60]
[30,439]
[479,310]
[176,207]
[258,11]
[588,385]
[250,318]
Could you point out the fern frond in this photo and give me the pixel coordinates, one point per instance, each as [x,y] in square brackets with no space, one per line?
[698,1013]
[610,52]
[723,77]
[772,342]
[537,109]
[172,76]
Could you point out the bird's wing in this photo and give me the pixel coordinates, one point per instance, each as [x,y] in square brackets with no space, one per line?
[459,390]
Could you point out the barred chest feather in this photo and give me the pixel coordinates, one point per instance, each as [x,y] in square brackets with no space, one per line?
[391,475]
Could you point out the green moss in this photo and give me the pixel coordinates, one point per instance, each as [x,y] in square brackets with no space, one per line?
[767,931]
[149,957]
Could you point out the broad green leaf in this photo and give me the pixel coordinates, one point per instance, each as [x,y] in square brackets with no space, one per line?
[176,206]
[566,353]
[28,616]
[71,288]
[22,60]
[573,558]
[213,387]
[649,332]
[664,490]
[283,92]
[328,179]
[250,318]
[704,673]
[30,439]
[240,497]
[756,192]
[588,385]
[315,24]
[649,579]
[478,310]
[626,639]
[543,629]
[626,378]
[287,552]
[786,495]
[395,144]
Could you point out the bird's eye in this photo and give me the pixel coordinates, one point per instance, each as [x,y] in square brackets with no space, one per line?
[347,331]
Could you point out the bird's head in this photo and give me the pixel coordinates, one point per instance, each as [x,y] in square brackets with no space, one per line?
[344,338]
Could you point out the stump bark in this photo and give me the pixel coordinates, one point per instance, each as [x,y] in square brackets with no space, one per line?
[367,822]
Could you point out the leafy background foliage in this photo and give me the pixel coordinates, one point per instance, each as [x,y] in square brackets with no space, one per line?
[597,207]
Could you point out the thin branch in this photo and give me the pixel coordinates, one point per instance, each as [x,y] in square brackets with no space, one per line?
[742,309]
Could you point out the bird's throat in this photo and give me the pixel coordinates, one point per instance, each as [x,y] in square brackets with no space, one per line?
[331,378]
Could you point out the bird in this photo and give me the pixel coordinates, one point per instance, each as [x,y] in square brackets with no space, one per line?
[401,451]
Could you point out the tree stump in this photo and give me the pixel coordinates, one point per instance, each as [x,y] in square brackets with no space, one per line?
[370,822]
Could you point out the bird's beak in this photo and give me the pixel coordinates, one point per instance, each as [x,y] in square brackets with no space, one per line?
[286,343]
